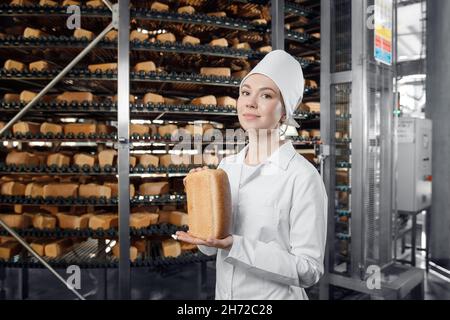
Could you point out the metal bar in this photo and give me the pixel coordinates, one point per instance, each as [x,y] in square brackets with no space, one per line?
[277,11]
[37,256]
[61,75]
[325,132]
[123,118]
[108,4]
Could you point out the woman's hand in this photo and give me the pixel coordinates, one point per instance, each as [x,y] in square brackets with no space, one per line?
[225,243]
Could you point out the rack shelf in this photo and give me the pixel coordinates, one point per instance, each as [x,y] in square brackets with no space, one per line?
[164,229]
[79,201]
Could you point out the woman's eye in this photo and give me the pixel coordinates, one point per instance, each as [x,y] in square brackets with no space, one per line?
[245,93]
[267,96]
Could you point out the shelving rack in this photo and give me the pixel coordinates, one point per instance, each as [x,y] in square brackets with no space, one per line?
[179,80]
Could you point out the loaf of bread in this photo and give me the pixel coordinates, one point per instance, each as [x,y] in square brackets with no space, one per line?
[81,33]
[139,129]
[190,40]
[38,246]
[21,2]
[9,249]
[112,35]
[104,221]
[158,6]
[178,218]
[313,106]
[54,128]
[147,160]
[19,221]
[48,3]
[146,66]
[265,49]
[171,248]
[315,133]
[77,96]
[11,97]
[107,157]
[95,3]
[133,252]
[34,190]
[206,100]
[242,46]
[166,37]
[103,67]
[58,159]
[94,190]
[25,127]
[174,159]
[222,42]
[311,83]
[44,221]
[240,74]
[223,72]
[70,3]
[73,221]
[220,14]
[11,64]
[186,10]
[137,35]
[22,158]
[40,65]
[133,161]
[227,101]
[13,188]
[153,188]
[304,134]
[342,177]
[143,219]
[209,204]
[194,129]
[115,189]
[167,129]
[33,33]
[58,248]
[26,96]
[77,128]
[82,159]
[153,98]
[61,190]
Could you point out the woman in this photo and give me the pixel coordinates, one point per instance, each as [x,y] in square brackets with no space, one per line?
[279,201]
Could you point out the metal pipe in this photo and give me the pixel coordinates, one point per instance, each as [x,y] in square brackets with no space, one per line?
[61,75]
[123,119]
[277,11]
[37,256]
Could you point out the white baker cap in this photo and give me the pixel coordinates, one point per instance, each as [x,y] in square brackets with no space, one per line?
[287,74]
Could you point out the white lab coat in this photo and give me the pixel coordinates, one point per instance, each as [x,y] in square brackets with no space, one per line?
[279,229]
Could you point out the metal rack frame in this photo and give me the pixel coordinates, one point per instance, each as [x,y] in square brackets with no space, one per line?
[121,15]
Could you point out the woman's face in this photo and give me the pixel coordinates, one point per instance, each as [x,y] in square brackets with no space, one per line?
[259,104]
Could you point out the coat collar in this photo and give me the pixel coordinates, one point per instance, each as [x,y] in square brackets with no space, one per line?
[280,157]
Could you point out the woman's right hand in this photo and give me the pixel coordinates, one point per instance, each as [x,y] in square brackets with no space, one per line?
[195,170]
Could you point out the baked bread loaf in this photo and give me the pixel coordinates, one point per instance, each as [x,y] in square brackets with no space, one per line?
[209,204]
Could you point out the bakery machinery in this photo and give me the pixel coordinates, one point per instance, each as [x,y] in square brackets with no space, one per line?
[358,129]
[90,117]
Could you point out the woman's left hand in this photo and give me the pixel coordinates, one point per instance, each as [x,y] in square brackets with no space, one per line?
[225,243]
